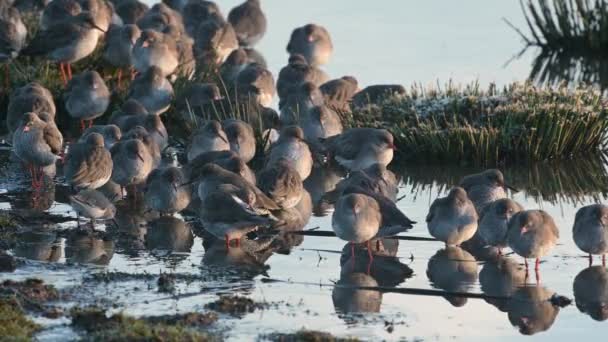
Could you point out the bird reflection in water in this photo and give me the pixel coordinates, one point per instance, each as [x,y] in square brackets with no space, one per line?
[454,270]
[591,292]
[531,310]
[87,247]
[169,236]
[387,271]
[39,246]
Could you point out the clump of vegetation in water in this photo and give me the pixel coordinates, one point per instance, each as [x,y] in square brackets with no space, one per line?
[14,324]
[120,327]
[570,37]
[520,123]
[307,336]
[8,231]
[234,305]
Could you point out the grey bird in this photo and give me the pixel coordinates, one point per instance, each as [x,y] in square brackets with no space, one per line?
[249,22]
[101,11]
[152,89]
[296,72]
[196,12]
[292,147]
[339,92]
[66,42]
[321,122]
[142,134]
[361,216]
[591,292]
[132,162]
[210,137]
[118,50]
[590,230]
[128,108]
[93,204]
[454,270]
[376,178]
[236,62]
[313,42]
[494,220]
[159,17]
[228,217]
[157,49]
[282,183]
[375,94]
[215,39]
[38,144]
[241,137]
[32,97]
[185,51]
[86,97]
[213,175]
[130,11]
[111,134]
[452,219]
[200,99]
[88,164]
[227,159]
[12,35]
[298,103]
[485,187]
[256,82]
[164,191]
[152,123]
[532,234]
[359,148]
[57,11]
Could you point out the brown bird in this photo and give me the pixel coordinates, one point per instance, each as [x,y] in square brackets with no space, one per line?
[88,164]
[249,22]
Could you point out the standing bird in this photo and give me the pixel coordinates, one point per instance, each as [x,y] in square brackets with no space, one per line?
[361,216]
[152,123]
[87,97]
[282,184]
[130,11]
[159,17]
[339,92]
[210,137]
[88,164]
[228,217]
[118,51]
[376,178]
[38,144]
[532,234]
[66,42]
[132,162]
[154,48]
[227,159]
[12,35]
[485,187]
[59,10]
[164,191]
[196,12]
[292,147]
[321,122]
[249,22]
[256,82]
[111,134]
[359,148]
[313,42]
[452,219]
[142,134]
[32,97]
[236,62]
[200,99]
[152,89]
[93,205]
[215,39]
[494,222]
[241,137]
[296,72]
[298,103]
[590,230]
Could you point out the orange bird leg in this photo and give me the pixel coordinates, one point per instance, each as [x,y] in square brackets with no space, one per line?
[69,67]
[119,78]
[63,76]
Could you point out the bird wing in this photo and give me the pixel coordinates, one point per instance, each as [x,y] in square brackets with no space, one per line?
[95,166]
[53,138]
[59,35]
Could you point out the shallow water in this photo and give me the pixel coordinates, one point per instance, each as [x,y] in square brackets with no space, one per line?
[398,42]
[307,267]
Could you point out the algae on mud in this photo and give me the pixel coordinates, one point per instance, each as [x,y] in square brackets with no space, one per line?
[14,325]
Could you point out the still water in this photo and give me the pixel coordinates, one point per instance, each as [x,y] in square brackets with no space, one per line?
[392,41]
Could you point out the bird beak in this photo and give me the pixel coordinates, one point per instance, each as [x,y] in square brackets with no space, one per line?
[188,183]
[161,134]
[175,186]
[99,28]
[224,139]
[140,157]
[515,190]
[26,128]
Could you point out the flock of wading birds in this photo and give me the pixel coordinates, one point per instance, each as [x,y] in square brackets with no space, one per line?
[155,43]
